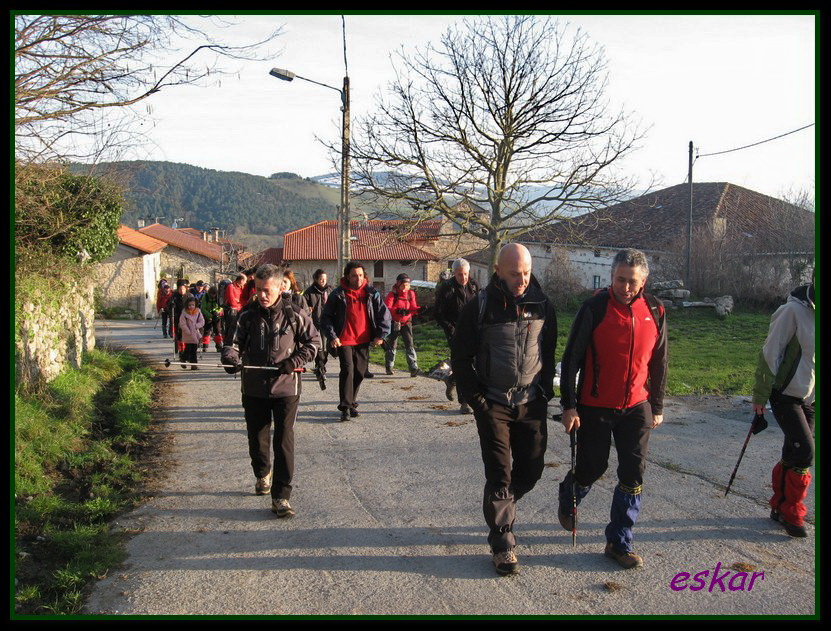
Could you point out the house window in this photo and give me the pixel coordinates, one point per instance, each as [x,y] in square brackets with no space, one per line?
[378,271]
[595,282]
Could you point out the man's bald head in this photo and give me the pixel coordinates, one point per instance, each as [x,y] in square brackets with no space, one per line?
[513,267]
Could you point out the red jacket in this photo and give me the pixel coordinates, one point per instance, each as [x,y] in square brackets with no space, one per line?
[163,299]
[233,295]
[398,301]
[356,328]
[622,359]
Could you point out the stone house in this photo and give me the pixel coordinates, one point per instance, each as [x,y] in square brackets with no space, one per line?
[188,256]
[128,277]
[743,241]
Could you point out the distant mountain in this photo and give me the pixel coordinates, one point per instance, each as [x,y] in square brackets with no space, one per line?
[204,198]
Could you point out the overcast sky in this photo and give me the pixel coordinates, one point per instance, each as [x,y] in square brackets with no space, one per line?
[720,81]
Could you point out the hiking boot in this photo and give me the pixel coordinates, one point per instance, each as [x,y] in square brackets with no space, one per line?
[389,370]
[354,413]
[282,508]
[566,518]
[194,367]
[368,375]
[464,408]
[344,416]
[414,372]
[626,560]
[263,485]
[506,563]
[792,529]
[204,347]
[449,389]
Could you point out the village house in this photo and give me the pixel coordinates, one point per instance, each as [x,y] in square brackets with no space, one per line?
[743,241]
[188,256]
[377,244]
[127,278]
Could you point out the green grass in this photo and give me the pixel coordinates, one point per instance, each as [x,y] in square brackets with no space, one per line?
[75,469]
[707,355]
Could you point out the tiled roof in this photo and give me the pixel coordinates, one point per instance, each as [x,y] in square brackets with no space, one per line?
[373,240]
[141,242]
[658,220]
[183,241]
[274,256]
[193,232]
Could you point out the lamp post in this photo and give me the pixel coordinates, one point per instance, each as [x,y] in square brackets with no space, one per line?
[344,235]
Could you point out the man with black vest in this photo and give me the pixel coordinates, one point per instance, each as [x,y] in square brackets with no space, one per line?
[618,344]
[502,354]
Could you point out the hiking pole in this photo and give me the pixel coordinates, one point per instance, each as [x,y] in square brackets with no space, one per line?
[572,435]
[759,423]
[169,363]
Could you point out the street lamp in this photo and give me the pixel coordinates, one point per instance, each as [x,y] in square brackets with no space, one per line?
[344,245]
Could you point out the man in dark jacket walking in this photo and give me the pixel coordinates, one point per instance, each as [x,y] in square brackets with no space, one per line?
[503,356]
[354,317]
[623,331]
[316,296]
[271,333]
[451,295]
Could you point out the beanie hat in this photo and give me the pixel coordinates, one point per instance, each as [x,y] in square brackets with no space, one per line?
[403,278]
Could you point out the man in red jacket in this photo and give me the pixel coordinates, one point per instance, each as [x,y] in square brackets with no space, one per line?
[401,302]
[618,344]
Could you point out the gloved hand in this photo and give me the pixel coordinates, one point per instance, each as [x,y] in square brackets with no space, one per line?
[402,312]
[286,367]
[230,359]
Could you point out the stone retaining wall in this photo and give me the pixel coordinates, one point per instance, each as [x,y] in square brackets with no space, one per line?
[53,332]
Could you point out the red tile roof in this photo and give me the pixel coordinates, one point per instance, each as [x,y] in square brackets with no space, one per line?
[373,240]
[141,242]
[193,232]
[269,255]
[183,241]
[658,220]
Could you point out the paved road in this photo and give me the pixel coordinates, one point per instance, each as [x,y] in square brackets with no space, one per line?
[389,514]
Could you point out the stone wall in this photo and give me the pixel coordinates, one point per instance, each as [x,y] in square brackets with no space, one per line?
[128,279]
[53,330]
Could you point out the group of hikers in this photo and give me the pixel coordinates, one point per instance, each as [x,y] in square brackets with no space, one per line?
[503,344]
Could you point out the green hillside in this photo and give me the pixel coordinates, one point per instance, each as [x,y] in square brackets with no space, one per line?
[238,203]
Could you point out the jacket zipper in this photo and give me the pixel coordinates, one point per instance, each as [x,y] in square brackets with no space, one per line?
[631,353]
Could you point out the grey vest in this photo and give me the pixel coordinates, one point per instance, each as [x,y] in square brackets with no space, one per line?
[508,361]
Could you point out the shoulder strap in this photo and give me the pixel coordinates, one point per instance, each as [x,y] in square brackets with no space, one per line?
[482,297]
[658,312]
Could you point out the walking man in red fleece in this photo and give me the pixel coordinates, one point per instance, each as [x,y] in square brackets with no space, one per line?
[354,317]
[618,344]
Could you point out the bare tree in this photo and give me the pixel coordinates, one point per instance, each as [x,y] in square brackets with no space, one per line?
[71,69]
[507,114]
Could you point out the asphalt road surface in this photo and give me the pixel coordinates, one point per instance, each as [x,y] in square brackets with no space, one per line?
[389,518]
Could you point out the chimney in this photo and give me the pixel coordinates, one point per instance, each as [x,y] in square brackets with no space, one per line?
[206,236]
[216,235]
[140,223]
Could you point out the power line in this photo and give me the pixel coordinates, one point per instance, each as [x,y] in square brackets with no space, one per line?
[716,153]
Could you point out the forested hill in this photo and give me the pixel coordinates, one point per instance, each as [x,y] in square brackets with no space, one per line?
[205,198]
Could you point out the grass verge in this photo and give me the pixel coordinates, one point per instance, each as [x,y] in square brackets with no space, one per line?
[77,444]
[707,355]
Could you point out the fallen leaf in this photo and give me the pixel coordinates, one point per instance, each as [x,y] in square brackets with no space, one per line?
[743,567]
[612,586]
[416,398]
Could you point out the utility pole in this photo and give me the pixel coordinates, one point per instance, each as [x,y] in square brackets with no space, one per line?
[345,246]
[689,223]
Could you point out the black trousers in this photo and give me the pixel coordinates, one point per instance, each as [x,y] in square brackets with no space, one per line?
[354,361]
[167,321]
[190,354]
[797,422]
[451,378]
[513,442]
[594,440]
[259,414]
[229,325]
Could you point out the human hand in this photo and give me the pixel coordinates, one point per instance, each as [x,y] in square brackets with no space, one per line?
[336,343]
[378,341]
[571,419]
[657,419]
[759,409]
